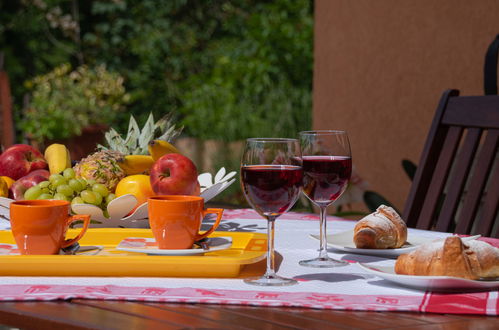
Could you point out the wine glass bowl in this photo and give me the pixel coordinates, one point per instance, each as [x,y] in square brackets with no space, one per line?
[271,180]
[326,177]
[327,167]
[271,189]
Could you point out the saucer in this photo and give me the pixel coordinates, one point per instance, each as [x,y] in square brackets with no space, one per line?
[12,250]
[149,246]
[9,249]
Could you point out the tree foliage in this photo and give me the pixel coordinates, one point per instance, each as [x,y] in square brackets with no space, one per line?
[226,69]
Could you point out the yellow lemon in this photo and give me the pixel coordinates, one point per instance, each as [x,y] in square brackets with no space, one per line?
[137,185]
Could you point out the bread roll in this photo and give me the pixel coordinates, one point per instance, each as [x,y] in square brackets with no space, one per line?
[471,260]
[383,229]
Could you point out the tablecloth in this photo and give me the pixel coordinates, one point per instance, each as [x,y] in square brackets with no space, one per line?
[342,288]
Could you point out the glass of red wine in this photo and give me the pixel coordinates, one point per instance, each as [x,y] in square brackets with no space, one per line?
[327,167]
[271,180]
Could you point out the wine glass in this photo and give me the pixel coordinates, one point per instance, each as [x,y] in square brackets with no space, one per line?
[327,166]
[271,179]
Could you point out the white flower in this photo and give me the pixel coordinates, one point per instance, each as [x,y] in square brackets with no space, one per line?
[206,180]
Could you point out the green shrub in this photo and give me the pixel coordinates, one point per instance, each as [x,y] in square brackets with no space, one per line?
[64,101]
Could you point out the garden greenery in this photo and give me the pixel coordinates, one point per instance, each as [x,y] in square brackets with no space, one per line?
[227,70]
[63,101]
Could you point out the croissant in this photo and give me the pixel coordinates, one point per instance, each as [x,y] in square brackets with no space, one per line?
[471,260]
[383,229]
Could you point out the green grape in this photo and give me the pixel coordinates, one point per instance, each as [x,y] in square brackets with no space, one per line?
[44,184]
[83,182]
[88,197]
[46,190]
[98,198]
[106,213]
[60,196]
[33,192]
[69,173]
[101,189]
[90,182]
[76,185]
[110,197]
[65,189]
[77,200]
[53,177]
[45,196]
[58,182]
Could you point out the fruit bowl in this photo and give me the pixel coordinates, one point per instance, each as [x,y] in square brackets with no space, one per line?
[121,207]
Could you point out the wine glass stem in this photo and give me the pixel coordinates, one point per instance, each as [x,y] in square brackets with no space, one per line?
[270,247]
[323,223]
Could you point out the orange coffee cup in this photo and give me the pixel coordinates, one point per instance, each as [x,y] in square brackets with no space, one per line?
[175,220]
[39,226]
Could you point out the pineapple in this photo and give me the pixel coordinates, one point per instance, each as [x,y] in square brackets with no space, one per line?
[102,167]
[137,140]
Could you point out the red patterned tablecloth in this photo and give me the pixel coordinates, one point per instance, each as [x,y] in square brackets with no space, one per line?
[344,288]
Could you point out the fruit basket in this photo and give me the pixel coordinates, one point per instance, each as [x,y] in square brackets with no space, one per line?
[120,208]
[113,183]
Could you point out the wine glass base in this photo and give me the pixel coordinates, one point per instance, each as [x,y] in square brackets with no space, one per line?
[323,262]
[272,280]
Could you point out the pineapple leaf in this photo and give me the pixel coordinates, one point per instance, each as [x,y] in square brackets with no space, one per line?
[133,128]
[132,136]
[137,140]
[162,123]
[114,141]
[147,133]
[118,144]
[167,128]
[109,138]
[170,134]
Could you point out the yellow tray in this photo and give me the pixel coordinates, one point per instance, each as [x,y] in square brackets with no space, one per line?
[246,249]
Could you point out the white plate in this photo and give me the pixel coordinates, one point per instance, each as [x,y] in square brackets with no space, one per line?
[149,246]
[344,242]
[433,283]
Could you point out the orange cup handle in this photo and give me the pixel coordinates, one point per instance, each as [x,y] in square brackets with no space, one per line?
[86,221]
[219,213]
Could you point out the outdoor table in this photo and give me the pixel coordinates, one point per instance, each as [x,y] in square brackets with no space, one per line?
[343,297]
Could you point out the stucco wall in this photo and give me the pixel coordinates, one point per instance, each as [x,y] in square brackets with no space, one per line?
[380,68]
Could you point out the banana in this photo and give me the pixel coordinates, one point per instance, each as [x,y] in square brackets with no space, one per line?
[136,164]
[58,158]
[4,188]
[158,148]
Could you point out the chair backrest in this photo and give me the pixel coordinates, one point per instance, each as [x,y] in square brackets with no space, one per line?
[456,185]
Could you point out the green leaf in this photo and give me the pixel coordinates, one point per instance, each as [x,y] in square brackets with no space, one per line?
[373,200]
[409,168]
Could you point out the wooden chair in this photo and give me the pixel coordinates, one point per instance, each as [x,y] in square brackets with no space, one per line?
[456,185]
[7,126]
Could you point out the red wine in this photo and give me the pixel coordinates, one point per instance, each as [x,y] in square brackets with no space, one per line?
[325,178]
[271,189]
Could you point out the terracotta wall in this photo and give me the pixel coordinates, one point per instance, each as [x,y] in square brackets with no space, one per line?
[381,67]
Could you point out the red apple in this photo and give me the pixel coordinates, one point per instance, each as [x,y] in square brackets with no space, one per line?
[174,174]
[18,188]
[19,160]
